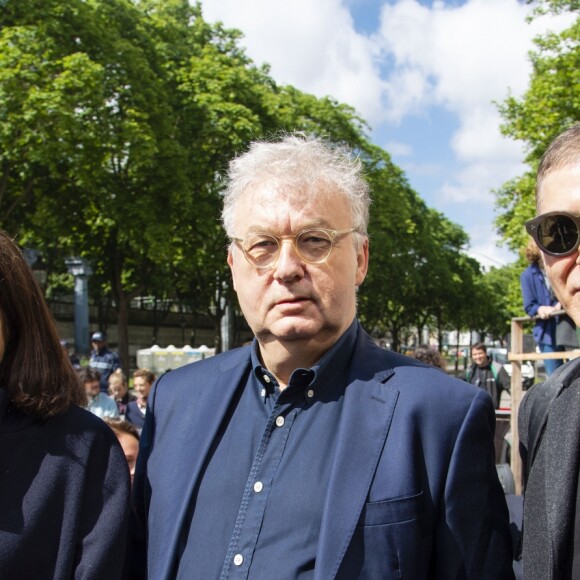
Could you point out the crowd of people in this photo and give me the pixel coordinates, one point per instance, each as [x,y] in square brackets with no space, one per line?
[311,452]
[122,409]
[118,402]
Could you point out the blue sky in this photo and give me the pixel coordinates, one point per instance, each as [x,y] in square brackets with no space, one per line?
[424,74]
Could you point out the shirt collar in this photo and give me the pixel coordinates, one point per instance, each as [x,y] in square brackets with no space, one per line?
[332,365]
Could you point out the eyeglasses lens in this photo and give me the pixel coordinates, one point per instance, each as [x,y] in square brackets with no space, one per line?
[558,234]
[313,246]
[261,249]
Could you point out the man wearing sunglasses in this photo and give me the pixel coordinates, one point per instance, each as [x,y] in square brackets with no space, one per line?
[313,453]
[549,416]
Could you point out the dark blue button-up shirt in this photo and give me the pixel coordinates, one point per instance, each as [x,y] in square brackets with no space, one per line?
[258,508]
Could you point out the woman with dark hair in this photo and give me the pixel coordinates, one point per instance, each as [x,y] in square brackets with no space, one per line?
[64,482]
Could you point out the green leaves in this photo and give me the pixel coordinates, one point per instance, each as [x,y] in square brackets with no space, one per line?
[117,122]
[550,105]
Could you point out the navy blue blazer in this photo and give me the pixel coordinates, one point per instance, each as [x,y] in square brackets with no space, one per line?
[413,491]
[535,293]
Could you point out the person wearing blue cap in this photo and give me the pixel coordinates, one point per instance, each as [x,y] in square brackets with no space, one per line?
[103,359]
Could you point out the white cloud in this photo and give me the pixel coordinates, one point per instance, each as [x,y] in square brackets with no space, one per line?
[311,45]
[463,58]
[460,58]
[399,149]
[466,55]
[422,169]
[421,59]
[487,249]
[486,159]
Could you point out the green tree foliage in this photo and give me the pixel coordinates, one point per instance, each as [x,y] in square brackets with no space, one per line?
[117,121]
[224,102]
[497,300]
[47,126]
[103,162]
[120,119]
[550,105]
[419,272]
[555,6]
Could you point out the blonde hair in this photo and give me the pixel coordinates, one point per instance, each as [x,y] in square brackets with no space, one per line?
[117,374]
[532,252]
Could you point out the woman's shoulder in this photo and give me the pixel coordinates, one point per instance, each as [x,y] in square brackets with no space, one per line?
[529,271]
[82,424]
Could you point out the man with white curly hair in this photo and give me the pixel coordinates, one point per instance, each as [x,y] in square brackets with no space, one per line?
[313,452]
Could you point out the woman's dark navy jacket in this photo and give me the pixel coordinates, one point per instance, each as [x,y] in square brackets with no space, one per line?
[64,489]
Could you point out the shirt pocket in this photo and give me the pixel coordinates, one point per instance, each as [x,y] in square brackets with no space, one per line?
[389,542]
[392,511]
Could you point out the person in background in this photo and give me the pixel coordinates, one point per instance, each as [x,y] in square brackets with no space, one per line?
[103,359]
[64,482]
[540,301]
[549,414]
[119,391]
[128,437]
[430,356]
[313,452]
[98,403]
[143,380]
[72,356]
[487,374]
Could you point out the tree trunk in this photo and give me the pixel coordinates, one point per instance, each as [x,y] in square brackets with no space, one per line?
[395,338]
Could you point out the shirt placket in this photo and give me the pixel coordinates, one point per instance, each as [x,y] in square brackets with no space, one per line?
[258,487]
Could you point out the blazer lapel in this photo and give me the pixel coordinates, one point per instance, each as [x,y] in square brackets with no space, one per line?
[197,431]
[364,424]
[562,452]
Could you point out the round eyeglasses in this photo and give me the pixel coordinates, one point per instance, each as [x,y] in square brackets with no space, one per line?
[312,245]
[556,233]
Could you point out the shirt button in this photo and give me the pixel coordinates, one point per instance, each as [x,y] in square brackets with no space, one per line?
[238,559]
[310,393]
[280,421]
[263,393]
[258,486]
[267,378]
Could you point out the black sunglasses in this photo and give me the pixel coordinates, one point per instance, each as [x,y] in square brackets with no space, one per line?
[557,233]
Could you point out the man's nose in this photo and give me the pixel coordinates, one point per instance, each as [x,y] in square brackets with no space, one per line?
[289,264]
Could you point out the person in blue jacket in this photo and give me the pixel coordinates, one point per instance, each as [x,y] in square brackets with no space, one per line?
[64,480]
[103,360]
[540,301]
[313,452]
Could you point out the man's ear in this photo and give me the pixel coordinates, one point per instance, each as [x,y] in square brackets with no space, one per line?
[231,265]
[362,260]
